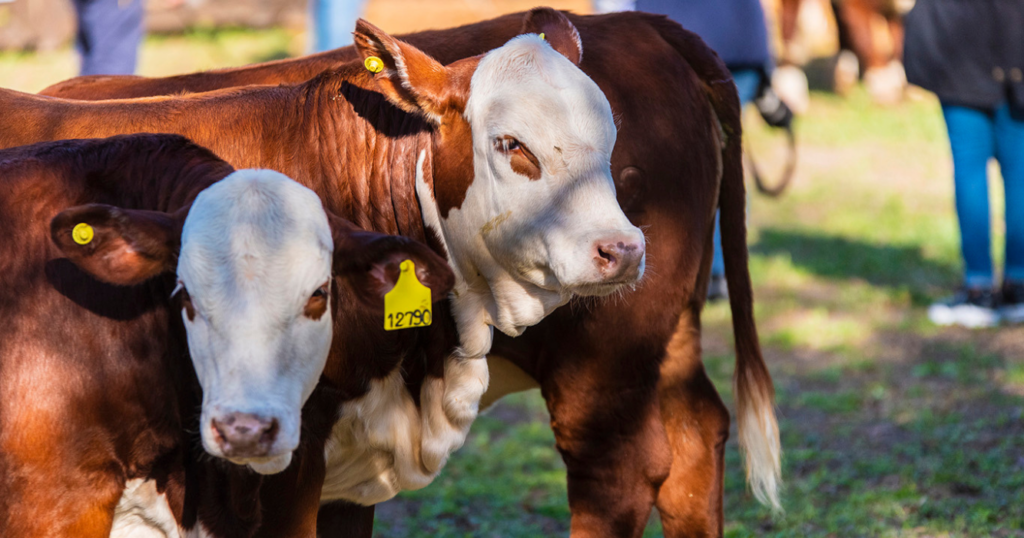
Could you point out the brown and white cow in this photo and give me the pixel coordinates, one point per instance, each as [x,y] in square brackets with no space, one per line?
[870,34]
[526,212]
[662,441]
[97,393]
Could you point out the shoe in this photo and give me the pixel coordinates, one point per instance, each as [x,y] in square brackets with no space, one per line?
[969,307]
[718,289]
[1012,307]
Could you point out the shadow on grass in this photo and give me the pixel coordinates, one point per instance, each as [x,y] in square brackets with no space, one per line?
[831,256]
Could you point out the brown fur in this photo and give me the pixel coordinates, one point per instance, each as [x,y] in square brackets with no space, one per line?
[660,440]
[89,401]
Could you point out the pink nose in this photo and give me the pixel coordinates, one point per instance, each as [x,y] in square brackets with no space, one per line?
[619,259]
[242,435]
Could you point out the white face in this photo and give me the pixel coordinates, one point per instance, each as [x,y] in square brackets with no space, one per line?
[255,268]
[540,221]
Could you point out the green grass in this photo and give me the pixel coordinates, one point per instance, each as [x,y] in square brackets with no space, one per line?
[891,427]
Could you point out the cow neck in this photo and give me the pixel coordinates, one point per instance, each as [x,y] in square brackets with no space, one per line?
[363,153]
[344,117]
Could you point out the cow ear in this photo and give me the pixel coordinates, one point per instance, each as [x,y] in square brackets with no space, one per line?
[370,262]
[557,30]
[405,75]
[119,246]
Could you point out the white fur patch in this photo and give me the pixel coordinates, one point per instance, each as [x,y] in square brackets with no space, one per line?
[374,449]
[143,512]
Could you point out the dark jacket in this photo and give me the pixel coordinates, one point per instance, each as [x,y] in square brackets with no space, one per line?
[969,52]
[736,29]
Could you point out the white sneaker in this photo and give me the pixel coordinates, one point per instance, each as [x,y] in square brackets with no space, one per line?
[969,307]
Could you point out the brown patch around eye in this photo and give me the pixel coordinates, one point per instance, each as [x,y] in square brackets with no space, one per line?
[186,303]
[317,304]
[523,161]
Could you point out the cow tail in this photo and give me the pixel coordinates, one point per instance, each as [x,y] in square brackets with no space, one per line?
[755,393]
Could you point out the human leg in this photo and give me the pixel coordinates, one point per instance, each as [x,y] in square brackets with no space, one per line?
[1009,139]
[109,33]
[972,141]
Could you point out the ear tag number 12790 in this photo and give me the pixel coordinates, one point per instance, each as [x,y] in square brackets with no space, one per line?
[407,305]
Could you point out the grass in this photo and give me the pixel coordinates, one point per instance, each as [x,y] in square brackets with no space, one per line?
[198,49]
[891,427]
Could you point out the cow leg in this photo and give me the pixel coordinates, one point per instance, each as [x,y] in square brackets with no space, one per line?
[344,520]
[854,20]
[616,457]
[697,424]
[600,391]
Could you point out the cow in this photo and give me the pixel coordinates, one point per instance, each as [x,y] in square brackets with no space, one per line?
[858,21]
[128,256]
[662,442]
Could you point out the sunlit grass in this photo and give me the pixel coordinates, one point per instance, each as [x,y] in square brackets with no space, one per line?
[196,50]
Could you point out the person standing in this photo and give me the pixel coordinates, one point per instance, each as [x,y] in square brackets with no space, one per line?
[738,32]
[970,53]
[109,34]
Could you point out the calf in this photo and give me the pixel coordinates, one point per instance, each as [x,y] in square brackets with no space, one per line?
[678,142]
[97,390]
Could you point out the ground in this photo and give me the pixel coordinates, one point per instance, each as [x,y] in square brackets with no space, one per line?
[891,427]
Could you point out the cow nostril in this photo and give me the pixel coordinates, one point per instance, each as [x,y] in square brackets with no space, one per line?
[270,432]
[606,255]
[221,437]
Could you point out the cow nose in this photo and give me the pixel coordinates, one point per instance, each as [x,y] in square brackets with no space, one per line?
[619,260]
[243,435]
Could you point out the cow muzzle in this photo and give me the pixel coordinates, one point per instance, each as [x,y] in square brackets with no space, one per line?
[244,435]
[619,260]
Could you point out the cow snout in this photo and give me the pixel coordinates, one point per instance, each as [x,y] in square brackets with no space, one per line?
[619,260]
[243,435]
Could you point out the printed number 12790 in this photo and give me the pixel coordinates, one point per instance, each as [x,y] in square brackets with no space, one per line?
[405,320]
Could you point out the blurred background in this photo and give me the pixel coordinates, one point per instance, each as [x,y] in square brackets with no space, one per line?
[892,426]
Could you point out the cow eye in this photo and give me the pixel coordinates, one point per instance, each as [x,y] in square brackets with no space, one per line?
[507,144]
[316,306]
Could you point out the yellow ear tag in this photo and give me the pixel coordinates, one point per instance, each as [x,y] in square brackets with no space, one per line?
[82,233]
[374,64]
[407,305]
[542,35]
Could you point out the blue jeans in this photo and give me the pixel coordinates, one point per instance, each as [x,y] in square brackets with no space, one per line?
[747,83]
[975,136]
[109,33]
[333,22]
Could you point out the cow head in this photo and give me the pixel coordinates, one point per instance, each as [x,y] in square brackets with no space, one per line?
[520,187]
[521,192]
[259,265]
